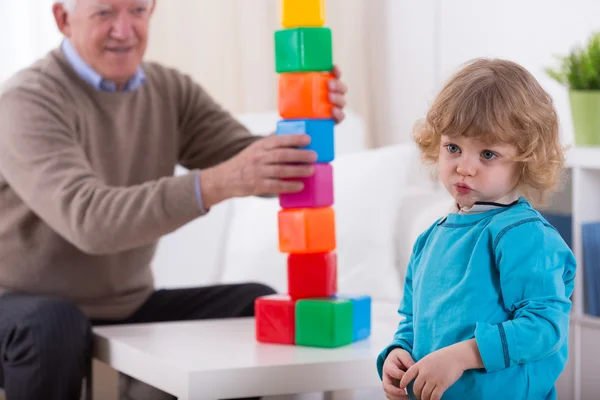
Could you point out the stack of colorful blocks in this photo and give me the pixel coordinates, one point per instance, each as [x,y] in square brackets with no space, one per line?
[312,313]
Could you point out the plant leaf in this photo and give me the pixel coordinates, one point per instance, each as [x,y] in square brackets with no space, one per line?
[580,69]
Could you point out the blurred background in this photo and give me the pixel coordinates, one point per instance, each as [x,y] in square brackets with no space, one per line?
[394,54]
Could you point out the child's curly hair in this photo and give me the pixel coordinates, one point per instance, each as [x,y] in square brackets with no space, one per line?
[499,101]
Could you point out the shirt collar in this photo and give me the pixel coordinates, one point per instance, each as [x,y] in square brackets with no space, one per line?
[483,206]
[88,74]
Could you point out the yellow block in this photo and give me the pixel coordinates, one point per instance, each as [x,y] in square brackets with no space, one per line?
[299,13]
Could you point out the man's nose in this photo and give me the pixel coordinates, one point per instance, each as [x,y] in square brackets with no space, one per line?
[466,166]
[122,27]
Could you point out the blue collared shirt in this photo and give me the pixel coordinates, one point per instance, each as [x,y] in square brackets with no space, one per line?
[93,77]
[87,73]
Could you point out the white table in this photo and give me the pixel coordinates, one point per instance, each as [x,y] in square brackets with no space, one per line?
[220,359]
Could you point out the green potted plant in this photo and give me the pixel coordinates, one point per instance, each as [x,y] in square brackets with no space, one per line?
[580,73]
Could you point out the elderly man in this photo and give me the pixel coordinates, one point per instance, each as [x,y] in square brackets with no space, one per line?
[89,137]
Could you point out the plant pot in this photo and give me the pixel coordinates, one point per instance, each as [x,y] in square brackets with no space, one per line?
[585,111]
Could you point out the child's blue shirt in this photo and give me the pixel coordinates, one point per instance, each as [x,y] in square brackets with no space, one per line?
[503,277]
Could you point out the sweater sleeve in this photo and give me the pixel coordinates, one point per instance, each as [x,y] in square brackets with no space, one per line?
[404,335]
[537,272]
[209,134]
[42,161]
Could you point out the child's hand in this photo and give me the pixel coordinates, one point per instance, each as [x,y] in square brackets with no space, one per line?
[434,374]
[394,367]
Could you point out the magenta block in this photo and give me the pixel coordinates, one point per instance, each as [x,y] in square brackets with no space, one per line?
[317,192]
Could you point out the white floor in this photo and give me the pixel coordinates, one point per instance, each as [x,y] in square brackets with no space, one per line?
[366,394]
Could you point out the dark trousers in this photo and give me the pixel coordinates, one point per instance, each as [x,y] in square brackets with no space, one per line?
[45,342]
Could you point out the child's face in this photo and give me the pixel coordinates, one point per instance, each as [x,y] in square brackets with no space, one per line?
[473,171]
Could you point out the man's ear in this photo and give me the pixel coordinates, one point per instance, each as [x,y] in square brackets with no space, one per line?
[153,6]
[61,17]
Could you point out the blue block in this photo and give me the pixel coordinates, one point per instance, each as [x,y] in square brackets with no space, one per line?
[361,315]
[320,132]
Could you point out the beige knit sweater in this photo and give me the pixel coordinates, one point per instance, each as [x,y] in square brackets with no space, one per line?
[86,180]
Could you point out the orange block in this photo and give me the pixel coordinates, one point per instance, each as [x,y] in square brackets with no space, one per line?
[306,230]
[304,95]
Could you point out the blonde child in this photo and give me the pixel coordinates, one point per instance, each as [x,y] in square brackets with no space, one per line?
[487,292]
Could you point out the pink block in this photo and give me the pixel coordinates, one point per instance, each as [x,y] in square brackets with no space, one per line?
[317,192]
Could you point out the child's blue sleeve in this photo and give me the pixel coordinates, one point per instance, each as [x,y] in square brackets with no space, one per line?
[404,335]
[537,272]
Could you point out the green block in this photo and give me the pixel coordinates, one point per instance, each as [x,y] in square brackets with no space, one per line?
[323,322]
[303,49]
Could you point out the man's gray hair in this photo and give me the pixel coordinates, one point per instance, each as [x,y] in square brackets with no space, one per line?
[69,5]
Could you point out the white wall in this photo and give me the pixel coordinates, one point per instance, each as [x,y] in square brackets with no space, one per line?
[228,47]
[225,45]
[395,55]
[411,44]
[27,32]
[529,32]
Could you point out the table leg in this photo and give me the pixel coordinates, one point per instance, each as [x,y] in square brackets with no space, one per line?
[339,395]
[104,384]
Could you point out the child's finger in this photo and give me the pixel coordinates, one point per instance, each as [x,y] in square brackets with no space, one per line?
[418,386]
[427,391]
[406,360]
[391,389]
[393,371]
[437,393]
[409,375]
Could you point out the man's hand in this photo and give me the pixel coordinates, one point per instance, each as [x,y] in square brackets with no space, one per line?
[437,371]
[337,95]
[394,367]
[267,166]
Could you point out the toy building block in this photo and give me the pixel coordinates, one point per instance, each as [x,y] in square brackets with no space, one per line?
[312,275]
[321,132]
[304,95]
[306,230]
[317,192]
[303,49]
[296,13]
[275,319]
[323,322]
[361,315]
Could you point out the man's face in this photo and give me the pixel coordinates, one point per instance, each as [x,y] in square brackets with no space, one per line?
[110,35]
